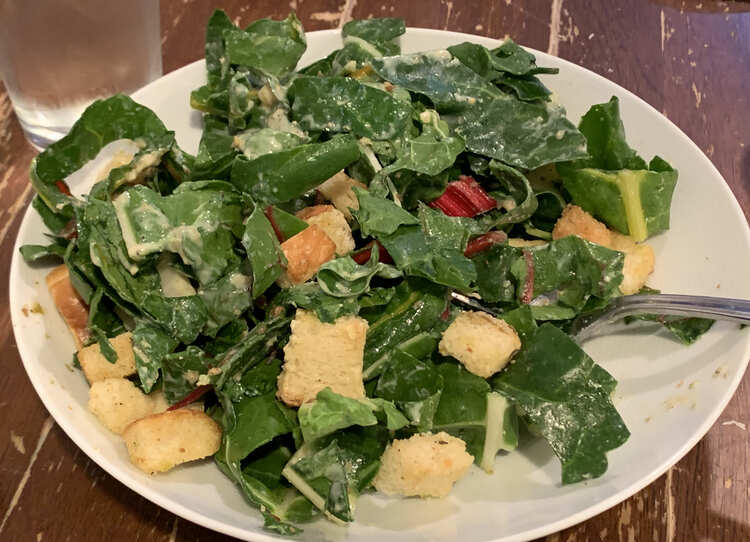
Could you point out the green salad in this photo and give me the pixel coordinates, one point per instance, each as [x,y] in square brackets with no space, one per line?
[360,190]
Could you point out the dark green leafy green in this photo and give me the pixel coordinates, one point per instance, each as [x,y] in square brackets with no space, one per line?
[614,184]
[260,419]
[35,253]
[522,134]
[509,66]
[379,216]
[215,150]
[413,385]
[217,64]
[256,142]
[414,309]
[605,138]
[196,221]
[282,176]
[272,47]
[377,30]
[226,298]
[443,79]
[311,296]
[343,104]
[430,153]
[331,411]
[434,249]
[181,371]
[104,121]
[565,397]
[244,430]
[151,343]
[333,470]
[343,277]
[263,250]
[633,202]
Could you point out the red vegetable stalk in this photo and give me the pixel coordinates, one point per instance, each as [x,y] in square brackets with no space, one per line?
[483,242]
[363,256]
[191,397]
[63,187]
[268,211]
[464,197]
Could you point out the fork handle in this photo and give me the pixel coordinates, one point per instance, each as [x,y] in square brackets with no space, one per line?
[715,308]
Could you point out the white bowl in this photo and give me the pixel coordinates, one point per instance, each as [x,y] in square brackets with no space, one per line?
[668,394]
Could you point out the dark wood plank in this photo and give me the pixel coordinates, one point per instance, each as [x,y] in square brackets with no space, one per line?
[690,59]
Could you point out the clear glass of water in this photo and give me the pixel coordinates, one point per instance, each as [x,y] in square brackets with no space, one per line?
[58,56]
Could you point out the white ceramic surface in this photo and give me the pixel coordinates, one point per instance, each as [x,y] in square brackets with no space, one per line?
[669,395]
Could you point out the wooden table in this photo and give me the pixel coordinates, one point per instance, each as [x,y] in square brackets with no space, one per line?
[689,59]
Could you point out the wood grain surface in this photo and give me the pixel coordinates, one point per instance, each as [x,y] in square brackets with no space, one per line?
[689,59]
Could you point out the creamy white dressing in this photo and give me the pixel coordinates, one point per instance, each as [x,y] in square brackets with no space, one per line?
[143,163]
[173,282]
[240,281]
[115,154]
[278,120]
[136,250]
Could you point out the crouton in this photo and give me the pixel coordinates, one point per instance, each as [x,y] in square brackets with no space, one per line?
[305,253]
[320,355]
[159,442]
[639,264]
[96,367]
[117,403]
[639,257]
[338,190]
[70,305]
[333,223]
[425,465]
[576,221]
[482,343]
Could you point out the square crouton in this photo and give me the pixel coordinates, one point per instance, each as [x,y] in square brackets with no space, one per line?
[639,257]
[638,265]
[424,465]
[305,253]
[159,442]
[333,223]
[320,355]
[338,190]
[482,343]
[117,402]
[70,305]
[96,367]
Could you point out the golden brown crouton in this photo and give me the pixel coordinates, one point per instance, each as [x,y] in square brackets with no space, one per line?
[117,403]
[425,465]
[320,355]
[639,257]
[96,367]
[158,442]
[576,221]
[305,253]
[639,264]
[482,343]
[333,223]
[70,305]
[338,190]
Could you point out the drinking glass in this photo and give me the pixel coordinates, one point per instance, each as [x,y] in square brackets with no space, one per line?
[58,56]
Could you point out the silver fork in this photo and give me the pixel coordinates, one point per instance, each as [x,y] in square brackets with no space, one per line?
[598,322]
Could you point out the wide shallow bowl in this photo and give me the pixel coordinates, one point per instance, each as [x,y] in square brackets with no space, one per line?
[668,394]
